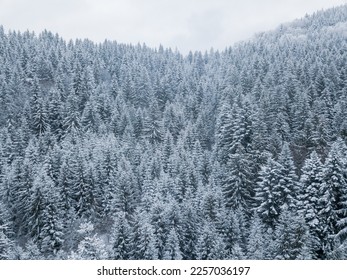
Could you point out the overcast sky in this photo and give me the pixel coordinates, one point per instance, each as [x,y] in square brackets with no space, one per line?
[185,24]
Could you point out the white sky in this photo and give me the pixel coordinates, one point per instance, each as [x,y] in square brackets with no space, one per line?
[185,24]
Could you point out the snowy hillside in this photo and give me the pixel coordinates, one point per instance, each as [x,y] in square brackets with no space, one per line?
[113,151]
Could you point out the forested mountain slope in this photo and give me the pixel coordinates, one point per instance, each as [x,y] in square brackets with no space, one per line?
[126,152]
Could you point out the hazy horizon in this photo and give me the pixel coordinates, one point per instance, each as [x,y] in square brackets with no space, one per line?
[194,25]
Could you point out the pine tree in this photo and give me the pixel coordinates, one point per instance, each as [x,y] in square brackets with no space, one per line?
[107,177]
[256,240]
[231,226]
[211,202]
[210,245]
[342,211]
[148,190]
[39,110]
[143,239]
[6,243]
[37,205]
[235,144]
[65,198]
[291,237]
[310,183]
[125,196]
[31,251]
[55,113]
[71,122]
[190,230]
[237,182]
[332,200]
[160,225]
[91,247]
[267,193]
[152,126]
[89,118]
[172,250]
[288,181]
[120,238]
[51,235]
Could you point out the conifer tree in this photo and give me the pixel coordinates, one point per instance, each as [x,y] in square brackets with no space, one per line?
[143,239]
[39,110]
[172,250]
[288,181]
[267,193]
[210,245]
[6,242]
[291,237]
[91,247]
[120,238]
[310,183]
[256,240]
[332,202]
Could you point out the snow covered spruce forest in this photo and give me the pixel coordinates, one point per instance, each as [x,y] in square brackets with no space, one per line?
[114,151]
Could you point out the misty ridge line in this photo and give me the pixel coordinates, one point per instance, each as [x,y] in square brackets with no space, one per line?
[173,48]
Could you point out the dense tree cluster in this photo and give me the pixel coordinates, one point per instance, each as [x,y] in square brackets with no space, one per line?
[113,151]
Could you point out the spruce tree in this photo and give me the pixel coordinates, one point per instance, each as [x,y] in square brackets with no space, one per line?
[291,237]
[310,183]
[332,200]
[210,245]
[120,238]
[6,242]
[267,193]
[172,249]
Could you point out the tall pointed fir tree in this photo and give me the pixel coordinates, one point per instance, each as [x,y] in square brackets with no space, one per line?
[153,125]
[51,234]
[256,245]
[71,121]
[235,145]
[190,230]
[87,192]
[39,110]
[267,193]
[6,242]
[160,225]
[172,249]
[126,190]
[120,246]
[288,181]
[310,183]
[38,205]
[333,200]
[231,225]
[291,238]
[55,113]
[142,239]
[210,245]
